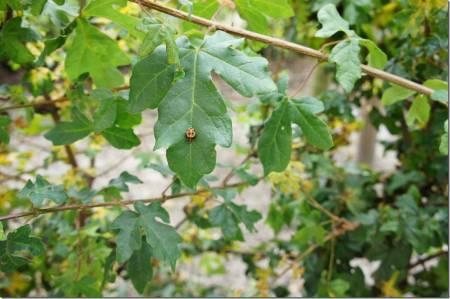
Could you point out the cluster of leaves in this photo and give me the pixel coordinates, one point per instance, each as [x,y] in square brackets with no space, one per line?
[87,54]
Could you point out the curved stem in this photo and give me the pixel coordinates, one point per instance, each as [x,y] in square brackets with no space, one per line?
[280,43]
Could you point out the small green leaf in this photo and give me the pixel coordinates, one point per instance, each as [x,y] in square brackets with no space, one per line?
[17,248]
[121,182]
[69,132]
[338,287]
[4,122]
[124,119]
[331,21]
[2,232]
[310,104]
[105,9]
[156,34]
[37,6]
[315,130]
[274,147]
[140,267]
[95,53]
[12,41]
[105,116]
[376,57]
[440,96]
[396,94]
[436,84]
[443,146]
[255,12]
[121,138]
[419,111]
[228,215]
[346,56]
[256,20]
[41,190]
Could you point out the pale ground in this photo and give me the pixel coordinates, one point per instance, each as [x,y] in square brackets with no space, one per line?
[258,197]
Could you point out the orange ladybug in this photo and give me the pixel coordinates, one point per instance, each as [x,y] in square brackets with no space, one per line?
[190,134]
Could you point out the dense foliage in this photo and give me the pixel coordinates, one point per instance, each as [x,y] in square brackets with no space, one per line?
[78,77]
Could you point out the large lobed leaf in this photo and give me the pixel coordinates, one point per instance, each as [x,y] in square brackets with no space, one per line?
[162,238]
[17,248]
[95,53]
[41,190]
[194,101]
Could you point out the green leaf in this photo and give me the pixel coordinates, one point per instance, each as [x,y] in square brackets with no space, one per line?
[37,6]
[156,34]
[396,94]
[95,53]
[201,8]
[191,160]
[331,21]
[41,190]
[315,130]
[17,248]
[419,111]
[140,267]
[256,20]
[275,9]
[346,56]
[338,287]
[163,239]
[436,84]
[274,147]
[151,79]
[121,138]
[255,12]
[50,46]
[246,176]
[124,119]
[443,146]
[12,41]
[105,116]
[440,96]
[193,101]
[376,57]
[69,132]
[129,237]
[310,104]
[4,122]
[104,8]
[120,183]
[228,215]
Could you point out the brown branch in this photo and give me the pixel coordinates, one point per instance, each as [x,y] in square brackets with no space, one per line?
[308,76]
[280,43]
[344,228]
[428,258]
[50,102]
[37,212]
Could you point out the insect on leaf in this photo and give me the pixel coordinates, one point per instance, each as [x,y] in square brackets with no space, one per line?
[194,101]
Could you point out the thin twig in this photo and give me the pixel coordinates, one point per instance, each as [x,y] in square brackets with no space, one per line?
[50,102]
[277,42]
[349,226]
[308,76]
[37,212]
[426,259]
